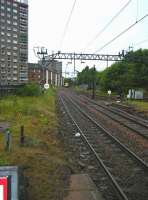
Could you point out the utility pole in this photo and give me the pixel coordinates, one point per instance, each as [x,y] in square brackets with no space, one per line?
[93,82]
[107,61]
[41,54]
[74,64]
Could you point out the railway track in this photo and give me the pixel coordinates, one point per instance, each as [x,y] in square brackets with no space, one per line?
[123,168]
[132,139]
[134,123]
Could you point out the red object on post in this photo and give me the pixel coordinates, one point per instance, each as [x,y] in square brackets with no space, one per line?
[3,188]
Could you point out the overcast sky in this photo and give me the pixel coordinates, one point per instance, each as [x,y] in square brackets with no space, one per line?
[47,19]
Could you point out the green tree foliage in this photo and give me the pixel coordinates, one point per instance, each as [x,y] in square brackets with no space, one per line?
[132,72]
[139,71]
[83,77]
[87,76]
[116,78]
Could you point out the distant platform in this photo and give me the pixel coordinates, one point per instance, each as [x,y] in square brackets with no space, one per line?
[82,188]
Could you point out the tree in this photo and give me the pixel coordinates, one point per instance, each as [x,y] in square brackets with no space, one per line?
[87,76]
[131,72]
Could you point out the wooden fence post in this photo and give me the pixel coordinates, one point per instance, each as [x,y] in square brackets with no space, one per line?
[22,137]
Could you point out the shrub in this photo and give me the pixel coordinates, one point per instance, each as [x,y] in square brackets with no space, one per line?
[29,90]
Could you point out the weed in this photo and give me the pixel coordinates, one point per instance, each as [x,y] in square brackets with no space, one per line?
[41,154]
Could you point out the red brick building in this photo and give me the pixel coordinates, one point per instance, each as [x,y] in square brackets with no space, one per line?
[34,73]
[37,73]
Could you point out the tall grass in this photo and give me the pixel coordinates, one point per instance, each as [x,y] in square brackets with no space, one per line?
[42,154]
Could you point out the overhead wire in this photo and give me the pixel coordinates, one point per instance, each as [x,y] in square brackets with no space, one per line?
[141,42]
[116,37]
[67,24]
[108,24]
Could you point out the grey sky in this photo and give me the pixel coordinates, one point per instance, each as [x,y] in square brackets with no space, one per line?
[47,19]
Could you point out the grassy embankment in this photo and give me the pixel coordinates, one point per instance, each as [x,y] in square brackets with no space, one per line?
[42,156]
[139,105]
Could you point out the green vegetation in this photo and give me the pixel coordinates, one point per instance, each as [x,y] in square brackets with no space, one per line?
[41,157]
[131,72]
[140,105]
[31,89]
[87,76]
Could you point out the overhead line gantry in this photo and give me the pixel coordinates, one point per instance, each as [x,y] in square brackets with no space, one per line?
[82,56]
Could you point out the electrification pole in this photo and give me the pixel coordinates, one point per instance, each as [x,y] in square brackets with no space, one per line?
[41,52]
[74,64]
[93,82]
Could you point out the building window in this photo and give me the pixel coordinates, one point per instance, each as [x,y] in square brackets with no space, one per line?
[2,33]
[14,78]
[15,17]
[8,15]
[14,29]
[2,65]
[8,40]
[15,4]
[15,35]
[8,22]
[8,28]
[9,63]
[14,11]
[2,14]
[8,34]
[2,40]
[2,7]
[3,51]
[8,9]
[14,54]
[14,41]
[15,48]
[2,46]
[15,23]
[15,60]
[14,71]
[9,71]
[2,27]
[3,20]
[9,53]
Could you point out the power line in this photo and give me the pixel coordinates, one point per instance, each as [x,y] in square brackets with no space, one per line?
[127,29]
[67,23]
[141,42]
[108,24]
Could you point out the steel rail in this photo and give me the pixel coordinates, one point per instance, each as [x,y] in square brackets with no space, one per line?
[124,116]
[123,113]
[131,154]
[116,186]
